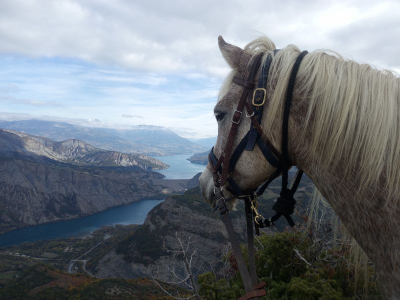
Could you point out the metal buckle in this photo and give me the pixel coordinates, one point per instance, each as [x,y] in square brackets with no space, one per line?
[240,118]
[254,95]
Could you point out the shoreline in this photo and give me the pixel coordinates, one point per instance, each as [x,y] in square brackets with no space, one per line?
[168,183]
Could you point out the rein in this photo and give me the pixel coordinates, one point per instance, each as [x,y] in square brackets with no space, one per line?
[224,166]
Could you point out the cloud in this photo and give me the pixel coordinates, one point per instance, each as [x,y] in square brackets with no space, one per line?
[31,102]
[131,116]
[175,36]
[158,62]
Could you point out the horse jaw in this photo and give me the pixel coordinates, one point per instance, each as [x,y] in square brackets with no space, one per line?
[207,186]
[207,190]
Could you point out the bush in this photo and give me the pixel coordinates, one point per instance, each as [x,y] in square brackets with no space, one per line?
[293,269]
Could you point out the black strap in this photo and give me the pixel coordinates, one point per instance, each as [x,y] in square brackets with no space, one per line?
[262,189]
[237,153]
[269,156]
[258,99]
[285,122]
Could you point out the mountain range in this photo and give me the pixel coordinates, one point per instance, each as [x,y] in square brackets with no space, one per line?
[14,143]
[42,180]
[144,139]
[207,142]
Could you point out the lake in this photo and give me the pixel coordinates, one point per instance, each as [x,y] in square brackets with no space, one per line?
[180,167]
[134,213]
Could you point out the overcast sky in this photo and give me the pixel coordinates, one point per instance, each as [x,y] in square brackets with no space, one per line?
[121,63]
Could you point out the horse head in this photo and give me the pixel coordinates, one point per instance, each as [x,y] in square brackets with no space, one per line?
[251,169]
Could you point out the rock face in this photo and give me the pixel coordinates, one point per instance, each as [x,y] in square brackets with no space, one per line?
[152,250]
[194,182]
[43,181]
[77,152]
[150,140]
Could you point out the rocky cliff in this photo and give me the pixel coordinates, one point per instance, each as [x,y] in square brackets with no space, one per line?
[152,250]
[43,181]
[71,151]
[32,192]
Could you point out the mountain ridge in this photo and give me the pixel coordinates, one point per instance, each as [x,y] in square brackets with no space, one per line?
[45,181]
[145,139]
[71,151]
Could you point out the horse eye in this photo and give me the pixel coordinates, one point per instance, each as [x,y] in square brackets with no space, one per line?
[219,116]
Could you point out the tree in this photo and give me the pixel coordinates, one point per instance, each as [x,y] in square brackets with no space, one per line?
[188,280]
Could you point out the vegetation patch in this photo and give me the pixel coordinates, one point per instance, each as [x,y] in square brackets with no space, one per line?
[293,269]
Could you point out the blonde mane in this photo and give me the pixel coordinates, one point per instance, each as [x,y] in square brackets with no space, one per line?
[352,117]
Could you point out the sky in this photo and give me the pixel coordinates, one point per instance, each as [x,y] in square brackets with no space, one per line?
[121,63]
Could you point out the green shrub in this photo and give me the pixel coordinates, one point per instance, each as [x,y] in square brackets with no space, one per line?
[292,270]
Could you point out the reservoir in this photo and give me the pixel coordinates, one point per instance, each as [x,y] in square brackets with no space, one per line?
[134,213]
[180,167]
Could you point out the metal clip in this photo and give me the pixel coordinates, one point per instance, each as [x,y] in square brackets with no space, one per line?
[249,116]
[254,207]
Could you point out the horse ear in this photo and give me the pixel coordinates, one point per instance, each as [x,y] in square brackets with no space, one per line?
[231,53]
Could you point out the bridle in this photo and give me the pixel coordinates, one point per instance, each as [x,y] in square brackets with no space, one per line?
[224,166]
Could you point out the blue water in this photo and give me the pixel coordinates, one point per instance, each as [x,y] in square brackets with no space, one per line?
[134,213]
[180,167]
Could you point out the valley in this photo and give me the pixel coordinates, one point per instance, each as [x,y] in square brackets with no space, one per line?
[43,181]
[137,251]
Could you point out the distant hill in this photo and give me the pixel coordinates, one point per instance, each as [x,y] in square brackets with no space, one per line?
[207,142]
[43,181]
[70,151]
[150,140]
[199,158]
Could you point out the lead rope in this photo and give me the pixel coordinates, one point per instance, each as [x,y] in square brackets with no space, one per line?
[252,290]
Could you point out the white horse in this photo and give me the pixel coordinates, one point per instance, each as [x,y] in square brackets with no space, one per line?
[344,133]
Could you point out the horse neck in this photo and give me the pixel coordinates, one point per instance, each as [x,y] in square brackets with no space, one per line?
[368,215]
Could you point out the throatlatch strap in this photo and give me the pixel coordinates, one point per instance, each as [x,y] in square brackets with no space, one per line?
[285,122]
